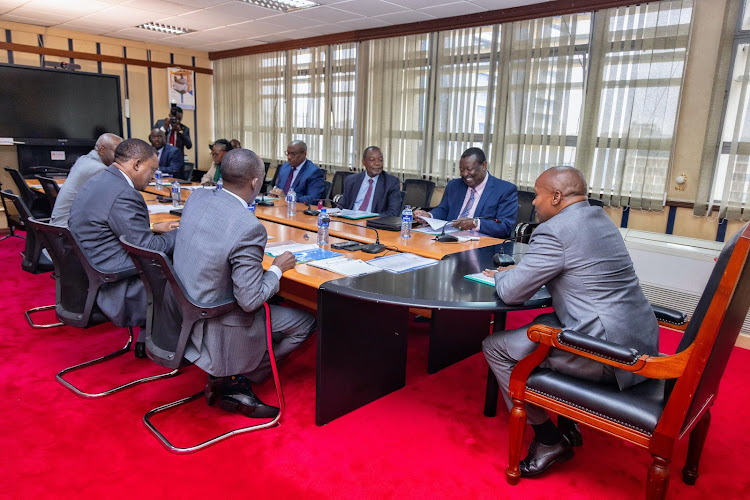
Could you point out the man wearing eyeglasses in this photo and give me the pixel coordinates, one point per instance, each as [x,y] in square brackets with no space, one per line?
[300,174]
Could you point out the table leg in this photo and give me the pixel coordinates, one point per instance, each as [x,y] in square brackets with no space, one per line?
[492,392]
[361,353]
[455,335]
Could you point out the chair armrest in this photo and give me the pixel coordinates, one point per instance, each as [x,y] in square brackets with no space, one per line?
[670,318]
[660,367]
[598,347]
[216,309]
[122,274]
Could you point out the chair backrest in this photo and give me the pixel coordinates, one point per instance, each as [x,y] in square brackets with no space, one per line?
[36,202]
[418,192]
[526,211]
[172,313]
[51,188]
[327,190]
[76,282]
[595,203]
[712,332]
[187,173]
[338,181]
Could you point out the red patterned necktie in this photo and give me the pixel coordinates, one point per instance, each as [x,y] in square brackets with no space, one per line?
[366,201]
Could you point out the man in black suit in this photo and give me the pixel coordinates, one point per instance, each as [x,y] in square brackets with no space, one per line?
[171,161]
[108,206]
[177,134]
[372,190]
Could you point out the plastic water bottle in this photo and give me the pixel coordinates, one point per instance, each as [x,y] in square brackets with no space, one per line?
[220,184]
[291,205]
[406,218]
[176,194]
[158,176]
[323,221]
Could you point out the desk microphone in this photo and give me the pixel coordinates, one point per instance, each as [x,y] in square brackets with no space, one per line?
[502,259]
[263,202]
[316,211]
[449,238]
[376,247]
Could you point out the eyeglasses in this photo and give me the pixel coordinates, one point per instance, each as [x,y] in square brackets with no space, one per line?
[289,153]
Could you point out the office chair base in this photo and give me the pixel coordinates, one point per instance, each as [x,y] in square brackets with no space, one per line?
[37,309]
[205,444]
[12,236]
[119,352]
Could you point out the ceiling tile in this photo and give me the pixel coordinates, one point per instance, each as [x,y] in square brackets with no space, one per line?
[198,4]
[161,6]
[504,4]
[122,14]
[369,7]
[27,20]
[96,29]
[420,4]
[139,34]
[364,23]
[324,15]
[453,9]
[292,21]
[254,29]
[409,16]
[193,21]
[329,29]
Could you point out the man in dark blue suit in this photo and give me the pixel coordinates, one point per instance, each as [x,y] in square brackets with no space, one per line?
[171,160]
[300,174]
[372,190]
[477,195]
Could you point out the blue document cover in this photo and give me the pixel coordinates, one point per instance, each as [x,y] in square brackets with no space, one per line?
[316,254]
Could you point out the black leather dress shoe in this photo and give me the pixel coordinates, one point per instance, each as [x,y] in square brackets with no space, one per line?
[541,457]
[140,350]
[215,388]
[237,396]
[572,433]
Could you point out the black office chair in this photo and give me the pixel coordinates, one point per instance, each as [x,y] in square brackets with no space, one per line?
[51,189]
[77,283]
[268,185]
[680,389]
[187,173]
[327,190]
[12,217]
[418,193]
[172,313]
[595,202]
[34,261]
[526,211]
[38,204]
[339,176]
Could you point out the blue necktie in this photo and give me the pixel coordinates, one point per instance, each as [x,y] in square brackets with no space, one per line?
[469,204]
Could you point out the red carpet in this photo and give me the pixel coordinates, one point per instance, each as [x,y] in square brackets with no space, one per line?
[428,440]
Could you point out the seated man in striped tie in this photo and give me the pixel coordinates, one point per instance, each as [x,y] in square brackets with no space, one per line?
[372,190]
[477,201]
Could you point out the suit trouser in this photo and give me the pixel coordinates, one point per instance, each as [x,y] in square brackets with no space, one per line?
[503,350]
[289,328]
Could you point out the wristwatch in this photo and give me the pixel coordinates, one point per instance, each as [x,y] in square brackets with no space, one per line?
[476,222]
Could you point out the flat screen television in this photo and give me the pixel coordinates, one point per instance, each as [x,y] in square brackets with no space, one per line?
[48,106]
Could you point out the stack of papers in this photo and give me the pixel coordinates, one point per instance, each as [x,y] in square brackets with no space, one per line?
[345,266]
[303,252]
[481,278]
[162,208]
[435,226]
[402,262]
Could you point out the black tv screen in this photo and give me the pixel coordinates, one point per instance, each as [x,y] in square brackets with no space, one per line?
[44,106]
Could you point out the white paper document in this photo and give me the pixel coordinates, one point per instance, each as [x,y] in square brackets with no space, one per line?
[435,223]
[345,266]
[402,262]
[281,247]
[162,208]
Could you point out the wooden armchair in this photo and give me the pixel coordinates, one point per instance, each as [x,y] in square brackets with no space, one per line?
[680,390]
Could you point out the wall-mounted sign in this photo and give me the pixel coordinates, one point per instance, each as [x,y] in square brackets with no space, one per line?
[181,87]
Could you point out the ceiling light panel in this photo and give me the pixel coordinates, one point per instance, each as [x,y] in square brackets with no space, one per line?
[282,5]
[164,28]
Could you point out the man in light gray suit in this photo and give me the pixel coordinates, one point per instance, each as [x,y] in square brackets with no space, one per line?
[578,253]
[218,257]
[85,167]
[108,206]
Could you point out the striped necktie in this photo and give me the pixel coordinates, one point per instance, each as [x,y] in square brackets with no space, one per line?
[469,204]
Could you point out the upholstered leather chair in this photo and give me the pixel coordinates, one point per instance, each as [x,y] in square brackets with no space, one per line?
[680,389]
[12,217]
[33,260]
[418,193]
[526,211]
[77,283]
[339,176]
[172,313]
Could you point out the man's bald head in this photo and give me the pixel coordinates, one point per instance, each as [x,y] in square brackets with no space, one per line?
[105,146]
[243,172]
[557,188]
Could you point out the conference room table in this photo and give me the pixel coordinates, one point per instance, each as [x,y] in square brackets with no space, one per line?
[363,321]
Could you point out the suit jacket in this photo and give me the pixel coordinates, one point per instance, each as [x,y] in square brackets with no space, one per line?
[182,140]
[83,169]
[105,208]
[172,161]
[499,200]
[220,262]
[581,258]
[386,196]
[310,182]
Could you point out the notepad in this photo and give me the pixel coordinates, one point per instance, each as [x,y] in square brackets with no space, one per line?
[353,214]
[163,208]
[281,247]
[481,278]
[304,256]
[345,266]
[402,262]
